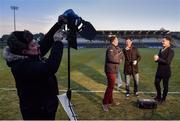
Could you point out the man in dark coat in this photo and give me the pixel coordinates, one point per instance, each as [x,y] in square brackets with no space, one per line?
[112,61]
[163,59]
[132,58]
[35,78]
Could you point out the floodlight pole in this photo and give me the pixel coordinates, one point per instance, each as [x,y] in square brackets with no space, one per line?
[14,8]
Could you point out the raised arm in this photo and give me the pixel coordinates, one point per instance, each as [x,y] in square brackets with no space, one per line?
[47,42]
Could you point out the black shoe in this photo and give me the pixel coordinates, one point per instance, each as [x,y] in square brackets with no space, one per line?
[158,99]
[163,100]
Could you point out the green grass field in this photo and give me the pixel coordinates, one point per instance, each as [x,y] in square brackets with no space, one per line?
[87,66]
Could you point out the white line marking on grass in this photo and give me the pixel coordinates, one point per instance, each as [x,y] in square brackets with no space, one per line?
[91,91]
[100,91]
[8,89]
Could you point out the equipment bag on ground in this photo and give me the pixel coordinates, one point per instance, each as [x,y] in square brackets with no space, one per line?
[147,103]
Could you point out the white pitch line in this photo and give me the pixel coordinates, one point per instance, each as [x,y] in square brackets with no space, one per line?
[100,91]
[91,91]
[8,89]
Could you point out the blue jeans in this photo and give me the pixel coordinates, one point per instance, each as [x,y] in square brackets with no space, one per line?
[136,82]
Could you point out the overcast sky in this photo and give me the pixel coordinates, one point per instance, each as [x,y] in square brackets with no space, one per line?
[40,15]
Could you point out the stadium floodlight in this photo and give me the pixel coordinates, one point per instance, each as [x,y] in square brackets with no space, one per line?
[14,8]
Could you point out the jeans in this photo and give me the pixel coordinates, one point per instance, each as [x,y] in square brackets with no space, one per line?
[119,79]
[136,82]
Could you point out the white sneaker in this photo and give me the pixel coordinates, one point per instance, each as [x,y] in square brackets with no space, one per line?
[136,94]
[127,95]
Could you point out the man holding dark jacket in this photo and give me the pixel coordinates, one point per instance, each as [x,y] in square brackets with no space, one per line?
[34,75]
[112,61]
[163,73]
[132,58]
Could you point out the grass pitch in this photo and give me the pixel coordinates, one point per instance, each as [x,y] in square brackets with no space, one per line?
[87,74]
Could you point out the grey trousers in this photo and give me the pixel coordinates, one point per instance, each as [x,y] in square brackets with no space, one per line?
[136,82]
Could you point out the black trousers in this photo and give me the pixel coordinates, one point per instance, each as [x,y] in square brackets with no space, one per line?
[158,87]
[39,110]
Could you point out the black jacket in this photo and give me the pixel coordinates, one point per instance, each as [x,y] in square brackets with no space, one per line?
[112,61]
[131,55]
[35,76]
[164,62]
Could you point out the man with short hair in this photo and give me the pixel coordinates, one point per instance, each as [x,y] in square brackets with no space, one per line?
[164,59]
[132,58]
[112,61]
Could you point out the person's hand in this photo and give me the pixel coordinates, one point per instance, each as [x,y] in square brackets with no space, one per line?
[156,57]
[62,19]
[119,52]
[134,62]
[58,36]
[121,60]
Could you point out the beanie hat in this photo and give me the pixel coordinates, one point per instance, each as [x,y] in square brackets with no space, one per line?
[19,40]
